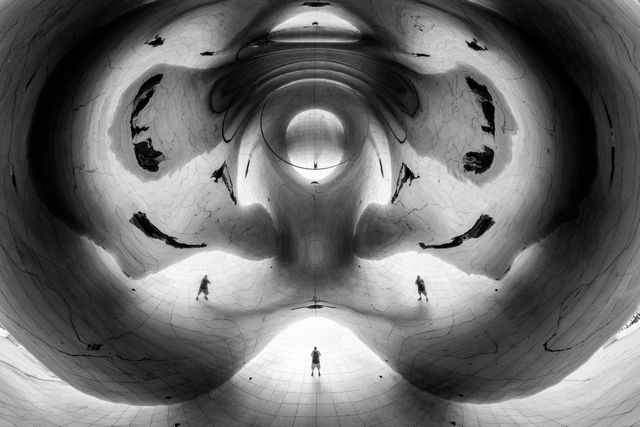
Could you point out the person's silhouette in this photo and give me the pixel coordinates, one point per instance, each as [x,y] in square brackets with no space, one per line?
[422,290]
[315,360]
[204,288]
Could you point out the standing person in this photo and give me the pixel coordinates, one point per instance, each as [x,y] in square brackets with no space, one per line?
[204,288]
[315,360]
[422,290]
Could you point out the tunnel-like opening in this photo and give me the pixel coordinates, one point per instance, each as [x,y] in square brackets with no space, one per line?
[314,141]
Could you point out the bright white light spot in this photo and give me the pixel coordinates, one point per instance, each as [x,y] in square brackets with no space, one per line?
[315,143]
[315,18]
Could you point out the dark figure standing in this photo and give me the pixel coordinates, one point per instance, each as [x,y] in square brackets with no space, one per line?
[204,288]
[422,290]
[315,360]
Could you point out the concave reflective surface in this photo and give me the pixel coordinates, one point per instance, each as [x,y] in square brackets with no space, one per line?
[320,156]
